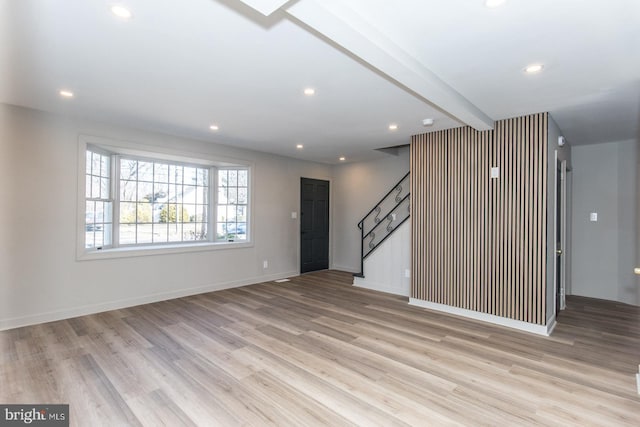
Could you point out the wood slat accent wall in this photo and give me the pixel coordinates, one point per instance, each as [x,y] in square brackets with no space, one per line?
[480,243]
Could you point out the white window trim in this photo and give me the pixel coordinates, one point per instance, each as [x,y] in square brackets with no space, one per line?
[115,187]
[105,153]
[157,153]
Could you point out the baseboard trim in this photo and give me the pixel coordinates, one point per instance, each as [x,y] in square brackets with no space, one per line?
[52,316]
[544,330]
[551,326]
[360,282]
[343,268]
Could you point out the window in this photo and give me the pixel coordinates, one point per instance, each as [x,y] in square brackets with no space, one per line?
[233,194]
[140,199]
[161,202]
[99,205]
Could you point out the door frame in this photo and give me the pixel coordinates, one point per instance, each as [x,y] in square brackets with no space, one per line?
[561,183]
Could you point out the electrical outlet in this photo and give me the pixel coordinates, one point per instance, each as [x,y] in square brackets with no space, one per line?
[265,264]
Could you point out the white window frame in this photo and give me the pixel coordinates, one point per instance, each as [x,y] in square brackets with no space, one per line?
[237,186]
[119,148]
[116,185]
[110,198]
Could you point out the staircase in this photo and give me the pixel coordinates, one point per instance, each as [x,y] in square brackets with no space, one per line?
[385,217]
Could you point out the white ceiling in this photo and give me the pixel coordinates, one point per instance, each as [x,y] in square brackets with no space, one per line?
[178,67]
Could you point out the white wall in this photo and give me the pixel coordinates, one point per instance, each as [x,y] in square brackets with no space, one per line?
[40,278]
[6,183]
[385,268]
[604,181]
[357,188]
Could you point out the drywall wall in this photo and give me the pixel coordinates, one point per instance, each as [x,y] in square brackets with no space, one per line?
[41,279]
[357,188]
[604,182]
[386,269]
[6,183]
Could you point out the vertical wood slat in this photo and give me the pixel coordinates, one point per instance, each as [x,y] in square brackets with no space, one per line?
[480,243]
[483,151]
[543,231]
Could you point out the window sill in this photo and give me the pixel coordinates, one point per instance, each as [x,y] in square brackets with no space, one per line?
[136,251]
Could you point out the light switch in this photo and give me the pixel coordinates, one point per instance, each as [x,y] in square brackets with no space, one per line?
[495,172]
[593,217]
[294,215]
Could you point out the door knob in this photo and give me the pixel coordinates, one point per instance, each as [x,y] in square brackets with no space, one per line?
[559,251]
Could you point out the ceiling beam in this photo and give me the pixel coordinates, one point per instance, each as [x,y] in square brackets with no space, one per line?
[265,7]
[346,28]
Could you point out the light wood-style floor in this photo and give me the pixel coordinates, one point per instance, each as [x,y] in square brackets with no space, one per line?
[317,351]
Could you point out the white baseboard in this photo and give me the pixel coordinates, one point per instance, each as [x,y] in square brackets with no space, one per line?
[344,268]
[51,316]
[489,318]
[376,286]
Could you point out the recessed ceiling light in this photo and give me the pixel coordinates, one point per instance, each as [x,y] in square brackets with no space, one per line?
[427,122]
[309,91]
[214,127]
[66,93]
[299,146]
[494,3]
[342,159]
[393,126]
[534,68]
[121,12]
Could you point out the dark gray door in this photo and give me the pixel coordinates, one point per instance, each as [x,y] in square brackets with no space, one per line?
[314,225]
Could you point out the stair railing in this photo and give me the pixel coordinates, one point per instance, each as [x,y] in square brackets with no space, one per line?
[375,227]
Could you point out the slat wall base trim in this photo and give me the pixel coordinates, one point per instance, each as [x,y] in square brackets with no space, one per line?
[544,330]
